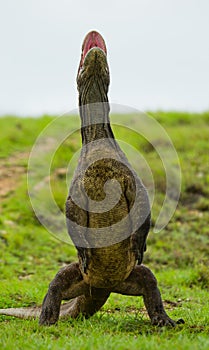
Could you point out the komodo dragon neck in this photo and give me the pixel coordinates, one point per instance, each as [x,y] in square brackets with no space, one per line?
[95,122]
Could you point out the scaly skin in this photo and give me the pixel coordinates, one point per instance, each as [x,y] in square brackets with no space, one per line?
[103,268]
[108,253]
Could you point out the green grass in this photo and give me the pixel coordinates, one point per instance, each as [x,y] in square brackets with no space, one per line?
[178,255]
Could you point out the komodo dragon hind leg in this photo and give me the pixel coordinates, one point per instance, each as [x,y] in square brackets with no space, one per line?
[69,284]
[142,282]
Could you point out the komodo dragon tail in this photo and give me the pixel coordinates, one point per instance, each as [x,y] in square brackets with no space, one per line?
[22,312]
[34,312]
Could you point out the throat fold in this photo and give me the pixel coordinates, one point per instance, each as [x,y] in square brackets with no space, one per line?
[94,112]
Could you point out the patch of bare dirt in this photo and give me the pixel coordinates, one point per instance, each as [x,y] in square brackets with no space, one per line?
[10,173]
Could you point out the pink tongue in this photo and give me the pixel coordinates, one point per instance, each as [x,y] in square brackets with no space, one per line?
[93,39]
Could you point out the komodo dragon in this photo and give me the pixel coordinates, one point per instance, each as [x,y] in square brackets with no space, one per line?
[107,210]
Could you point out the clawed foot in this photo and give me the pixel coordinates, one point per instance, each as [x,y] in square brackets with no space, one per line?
[163,320]
[50,310]
[48,317]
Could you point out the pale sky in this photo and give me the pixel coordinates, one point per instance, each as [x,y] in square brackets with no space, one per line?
[158,52]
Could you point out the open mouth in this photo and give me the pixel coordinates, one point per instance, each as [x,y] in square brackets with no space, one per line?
[92,39]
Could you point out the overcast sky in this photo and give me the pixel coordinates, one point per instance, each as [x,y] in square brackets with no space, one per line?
[158,52]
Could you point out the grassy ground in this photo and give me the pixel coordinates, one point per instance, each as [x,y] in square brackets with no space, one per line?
[179,255]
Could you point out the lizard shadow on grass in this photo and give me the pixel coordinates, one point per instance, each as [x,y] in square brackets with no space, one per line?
[126,323]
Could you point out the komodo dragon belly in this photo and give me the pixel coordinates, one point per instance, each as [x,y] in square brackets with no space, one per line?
[109,265]
[105,256]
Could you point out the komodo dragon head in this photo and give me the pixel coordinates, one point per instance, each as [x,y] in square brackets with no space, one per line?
[93,70]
